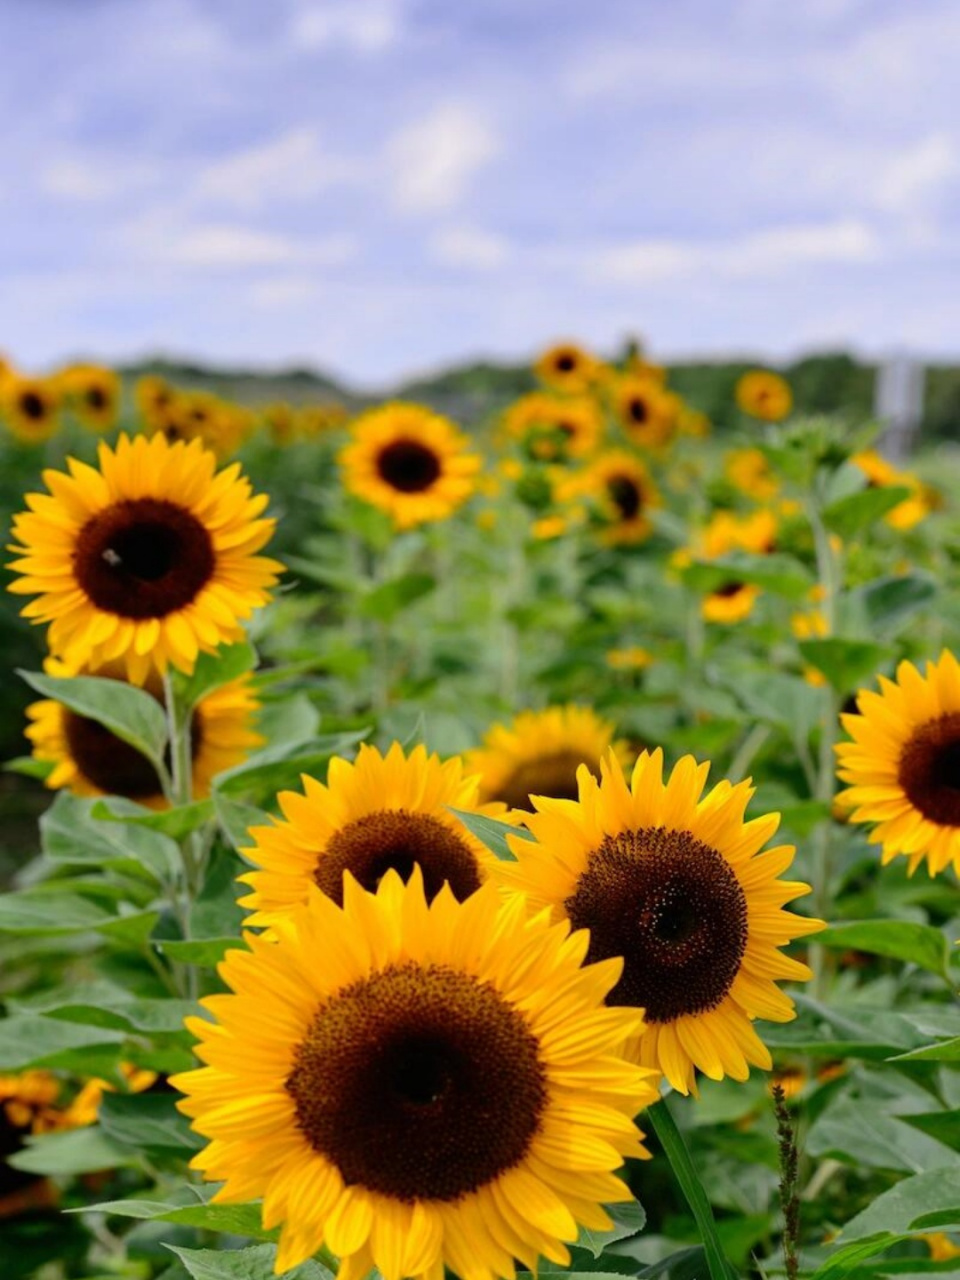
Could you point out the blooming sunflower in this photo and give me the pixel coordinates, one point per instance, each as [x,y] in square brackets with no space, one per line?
[625,493]
[414,1085]
[539,753]
[410,462]
[764,395]
[566,367]
[901,766]
[730,602]
[30,407]
[93,394]
[675,882]
[749,470]
[645,409]
[91,761]
[882,474]
[554,427]
[375,814]
[150,559]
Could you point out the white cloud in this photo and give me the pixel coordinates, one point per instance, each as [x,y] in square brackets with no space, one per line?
[90,178]
[166,238]
[918,173]
[366,27]
[293,166]
[433,160]
[468,247]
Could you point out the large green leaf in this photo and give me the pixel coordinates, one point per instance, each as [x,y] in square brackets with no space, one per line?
[895,598]
[919,944]
[147,1122]
[255,1263]
[846,663]
[104,1004]
[213,670]
[29,1040]
[860,1132]
[897,1209]
[176,823]
[939,1051]
[779,574]
[942,1125]
[847,516]
[235,1219]
[71,835]
[75,1151]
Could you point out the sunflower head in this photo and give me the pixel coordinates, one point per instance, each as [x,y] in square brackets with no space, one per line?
[883,474]
[675,882]
[567,367]
[149,560]
[623,494]
[30,407]
[417,1084]
[764,395]
[93,393]
[646,410]
[731,602]
[749,471]
[554,428]
[410,462]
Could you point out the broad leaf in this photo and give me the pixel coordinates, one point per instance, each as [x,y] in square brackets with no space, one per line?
[847,516]
[845,663]
[919,944]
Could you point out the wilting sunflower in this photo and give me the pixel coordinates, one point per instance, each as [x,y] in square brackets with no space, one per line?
[901,766]
[149,560]
[89,760]
[373,815]
[567,367]
[764,395]
[624,493]
[675,882]
[539,753]
[882,474]
[645,409]
[552,427]
[417,1085]
[30,407]
[93,394]
[410,462]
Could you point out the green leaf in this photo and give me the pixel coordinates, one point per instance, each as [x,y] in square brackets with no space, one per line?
[895,598]
[175,823]
[919,944]
[848,1259]
[845,663]
[779,574]
[783,700]
[31,912]
[628,1218]
[236,818]
[390,598]
[939,1051]
[76,1151]
[105,1004]
[239,1219]
[70,835]
[131,713]
[857,511]
[206,952]
[27,1040]
[942,1125]
[492,832]
[215,913]
[213,670]
[147,1122]
[861,1133]
[255,1263]
[897,1209]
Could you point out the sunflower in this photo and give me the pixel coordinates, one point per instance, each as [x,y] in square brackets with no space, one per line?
[91,761]
[539,753]
[93,394]
[730,602]
[416,1085]
[410,462]
[375,814]
[154,397]
[30,407]
[749,471]
[645,409]
[566,367]
[552,427]
[764,395]
[678,886]
[624,491]
[200,415]
[756,533]
[150,559]
[901,766]
[882,474]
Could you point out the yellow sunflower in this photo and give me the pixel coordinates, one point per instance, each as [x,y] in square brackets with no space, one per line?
[93,394]
[154,398]
[646,410]
[764,395]
[675,882]
[416,1085]
[757,533]
[730,602]
[410,462]
[30,407]
[901,766]
[567,367]
[624,492]
[883,474]
[749,470]
[374,814]
[553,427]
[149,560]
[89,760]
[539,753]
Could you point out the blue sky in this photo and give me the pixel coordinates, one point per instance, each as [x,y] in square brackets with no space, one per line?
[381,186]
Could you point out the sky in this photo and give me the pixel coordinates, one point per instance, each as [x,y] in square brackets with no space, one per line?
[380,187]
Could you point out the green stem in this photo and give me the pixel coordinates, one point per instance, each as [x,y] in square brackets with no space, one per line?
[678,1154]
[181,793]
[751,744]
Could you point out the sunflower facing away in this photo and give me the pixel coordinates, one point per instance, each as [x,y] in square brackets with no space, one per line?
[902,765]
[30,407]
[764,395]
[624,493]
[416,1085]
[148,560]
[91,761]
[376,814]
[676,883]
[410,462]
[538,754]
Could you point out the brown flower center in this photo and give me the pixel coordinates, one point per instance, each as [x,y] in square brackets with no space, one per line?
[566,362]
[638,409]
[626,496]
[408,465]
[728,589]
[97,398]
[32,405]
[674,909]
[143,558]
[552,775]
[111,764]
[419,1082]
[930,770]
[396,840]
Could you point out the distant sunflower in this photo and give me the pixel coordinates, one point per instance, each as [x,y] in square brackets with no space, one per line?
[30,407]
[646,410]
[375,814]
[730,602]
[150,560]
[883,474]
[414,1085]
[89,760]
[903,765]
[154,398]
[764,395]
[93,394]
[624,491]
[538,754]
[566,367]
[675,882]
[749,470]
[555,427]
[410,462]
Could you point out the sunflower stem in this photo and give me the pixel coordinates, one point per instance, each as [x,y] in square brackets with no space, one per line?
[678,1154]
[181,793]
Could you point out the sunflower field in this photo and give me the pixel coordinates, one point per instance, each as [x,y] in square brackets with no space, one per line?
[519,845]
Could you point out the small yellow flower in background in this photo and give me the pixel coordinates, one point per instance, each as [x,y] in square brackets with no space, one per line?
[624,494]
[646,410]
[942,1248]
[553,426]
[883,474]
[749,470]
[549,527]
[85,1107]
[731,602]
[764,395]
[810,625]
[693,422]
[632,659]
[678,884]
[417,1085]
[567,367]
[30,407]
[902,764]
[410,462]
[93,393]
[148,560]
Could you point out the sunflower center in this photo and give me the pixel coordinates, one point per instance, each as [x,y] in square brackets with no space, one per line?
[396,840]
[930,770]
[638,409]
[111,764]
[96,398]
[673,908]
[143,558]
[727,589]
[420,1083]
[566,362]
[31,405]
[625,495]
[553,775]
[408,465]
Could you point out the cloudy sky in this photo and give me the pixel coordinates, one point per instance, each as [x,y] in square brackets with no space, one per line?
[380,186]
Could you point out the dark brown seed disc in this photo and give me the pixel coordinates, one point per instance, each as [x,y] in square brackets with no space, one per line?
[626,495]
[566,362]
[111,764]
[728,589]
[396,840]
[552,775]
[32,405]
[673,908]
[930,770]
[420,1083]
[143,558]
[408,465]
[638,410]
